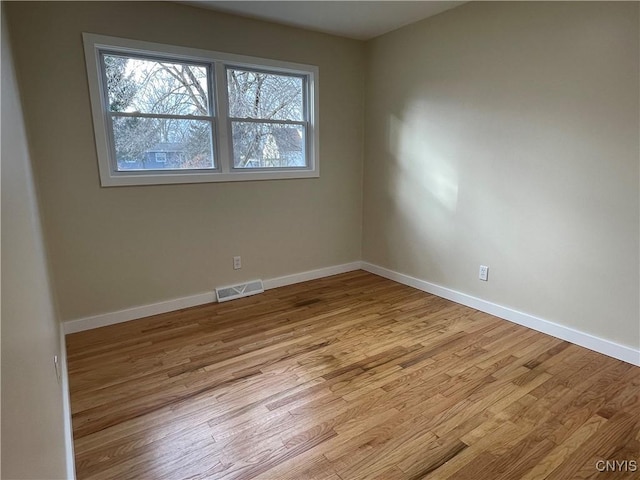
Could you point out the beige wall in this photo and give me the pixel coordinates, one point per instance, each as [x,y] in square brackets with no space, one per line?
[33,439]
[507,134]
[114,248]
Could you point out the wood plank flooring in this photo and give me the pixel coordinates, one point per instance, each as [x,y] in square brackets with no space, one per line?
[349,377]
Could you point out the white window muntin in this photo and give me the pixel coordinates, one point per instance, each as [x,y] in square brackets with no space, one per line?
[94,44]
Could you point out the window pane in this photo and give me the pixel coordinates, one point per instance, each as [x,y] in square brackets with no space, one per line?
[162,144]
[265,145]
[151,86]
[265,96]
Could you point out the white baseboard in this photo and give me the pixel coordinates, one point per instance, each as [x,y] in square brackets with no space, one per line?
[311,275]
[600,345]
[66,410]
[111,318]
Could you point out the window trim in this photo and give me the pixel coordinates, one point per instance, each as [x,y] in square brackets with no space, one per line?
[94,45]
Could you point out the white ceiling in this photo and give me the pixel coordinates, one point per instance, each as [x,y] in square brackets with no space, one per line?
[361,20]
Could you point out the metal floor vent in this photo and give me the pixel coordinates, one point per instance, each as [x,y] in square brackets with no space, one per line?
[238,291]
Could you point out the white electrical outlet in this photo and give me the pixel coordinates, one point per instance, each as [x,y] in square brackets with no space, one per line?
[484,273]
[237,263]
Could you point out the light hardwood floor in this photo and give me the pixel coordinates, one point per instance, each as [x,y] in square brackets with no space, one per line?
[349,377]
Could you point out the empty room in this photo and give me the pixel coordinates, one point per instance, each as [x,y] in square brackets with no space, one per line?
[320,240]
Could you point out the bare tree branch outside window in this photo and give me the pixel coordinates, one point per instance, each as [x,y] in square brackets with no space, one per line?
[161,109]
[149,87]
[277,136]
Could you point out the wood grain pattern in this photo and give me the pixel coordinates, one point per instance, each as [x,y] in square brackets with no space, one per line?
[349,377]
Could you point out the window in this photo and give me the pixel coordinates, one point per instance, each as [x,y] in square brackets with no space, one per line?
[167,114]
[267,116]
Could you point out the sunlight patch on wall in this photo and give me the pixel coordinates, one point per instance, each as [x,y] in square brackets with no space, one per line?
[421,185]
[421,163]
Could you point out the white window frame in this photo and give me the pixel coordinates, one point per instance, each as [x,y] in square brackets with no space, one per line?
[222,141]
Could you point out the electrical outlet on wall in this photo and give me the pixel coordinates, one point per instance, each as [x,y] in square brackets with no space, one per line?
[484,273]
[237,263]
